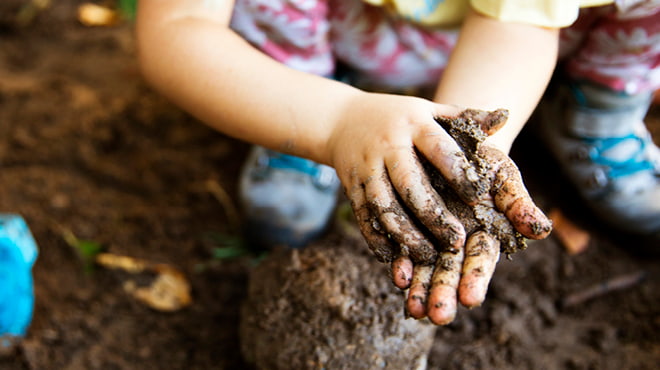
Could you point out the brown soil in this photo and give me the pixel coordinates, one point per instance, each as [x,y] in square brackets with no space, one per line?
[329,306]
[86,147]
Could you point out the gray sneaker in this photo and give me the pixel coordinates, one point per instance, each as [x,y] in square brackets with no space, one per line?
[286,200]
[599,139]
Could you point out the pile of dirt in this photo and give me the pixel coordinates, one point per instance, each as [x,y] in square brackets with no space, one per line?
[329,306]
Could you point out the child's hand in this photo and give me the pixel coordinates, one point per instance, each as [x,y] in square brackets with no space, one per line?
[463,275]
[374,150]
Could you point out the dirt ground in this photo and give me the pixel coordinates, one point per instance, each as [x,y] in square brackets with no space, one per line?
[87,149]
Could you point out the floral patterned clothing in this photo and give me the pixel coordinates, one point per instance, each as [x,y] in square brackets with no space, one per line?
[617,46]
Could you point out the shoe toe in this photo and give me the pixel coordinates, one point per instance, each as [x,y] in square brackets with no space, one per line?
[284,206]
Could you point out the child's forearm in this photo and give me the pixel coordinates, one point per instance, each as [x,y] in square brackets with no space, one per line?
[499,65]
[208,70]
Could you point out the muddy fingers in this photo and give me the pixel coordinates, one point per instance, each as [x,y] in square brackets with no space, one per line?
[501,205]
[419,291]
[417,206]
[448,158]
[482,252]
[453,151]
[378,243]
[512,198]
[489,121]
[402,272]
[414,188]
[384,248]
[498,226]
[442,301]
[494,208]
[396,223]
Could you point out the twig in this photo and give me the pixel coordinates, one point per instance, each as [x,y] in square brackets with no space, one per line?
[607,286]
[573,238]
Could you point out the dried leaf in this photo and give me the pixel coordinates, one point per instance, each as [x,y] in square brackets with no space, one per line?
[168,291]
[96,15]
[128,264]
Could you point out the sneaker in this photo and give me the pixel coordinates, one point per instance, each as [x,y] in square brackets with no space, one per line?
[287,200]
[599,139]
[18,251]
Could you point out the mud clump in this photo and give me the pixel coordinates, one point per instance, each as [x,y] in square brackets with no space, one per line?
[467,130]
[329,306]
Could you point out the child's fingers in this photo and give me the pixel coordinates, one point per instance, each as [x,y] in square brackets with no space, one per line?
[419,290]
[442,300]
[378,243]
[440,149]
[511,197]
[414,188]
[382,247]
[395,222]
[489,121]
[482,252]
[402,272]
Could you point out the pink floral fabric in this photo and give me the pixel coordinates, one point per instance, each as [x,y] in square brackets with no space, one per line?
[314,35]
[615,46]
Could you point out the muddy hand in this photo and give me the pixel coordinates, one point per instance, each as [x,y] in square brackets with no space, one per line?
[403,219]
[494,207]
[379,147]
[394,202]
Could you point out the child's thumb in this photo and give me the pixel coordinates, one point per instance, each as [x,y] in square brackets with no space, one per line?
[489,121]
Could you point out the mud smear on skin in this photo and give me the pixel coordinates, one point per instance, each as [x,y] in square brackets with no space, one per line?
[469,135]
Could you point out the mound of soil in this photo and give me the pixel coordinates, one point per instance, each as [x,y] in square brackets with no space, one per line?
[329,306]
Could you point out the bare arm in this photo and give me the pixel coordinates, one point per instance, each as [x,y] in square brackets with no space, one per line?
[500,65]
[188,52]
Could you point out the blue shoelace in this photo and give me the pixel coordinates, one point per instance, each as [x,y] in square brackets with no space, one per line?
[289,162]
[619,168]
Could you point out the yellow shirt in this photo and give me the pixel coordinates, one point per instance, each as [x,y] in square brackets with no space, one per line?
[445,13]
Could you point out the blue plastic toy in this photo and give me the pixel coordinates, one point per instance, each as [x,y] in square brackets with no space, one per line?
[18,252]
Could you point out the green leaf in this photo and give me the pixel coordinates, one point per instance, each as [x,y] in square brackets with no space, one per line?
[128,8]
[87,249]
[232,251]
